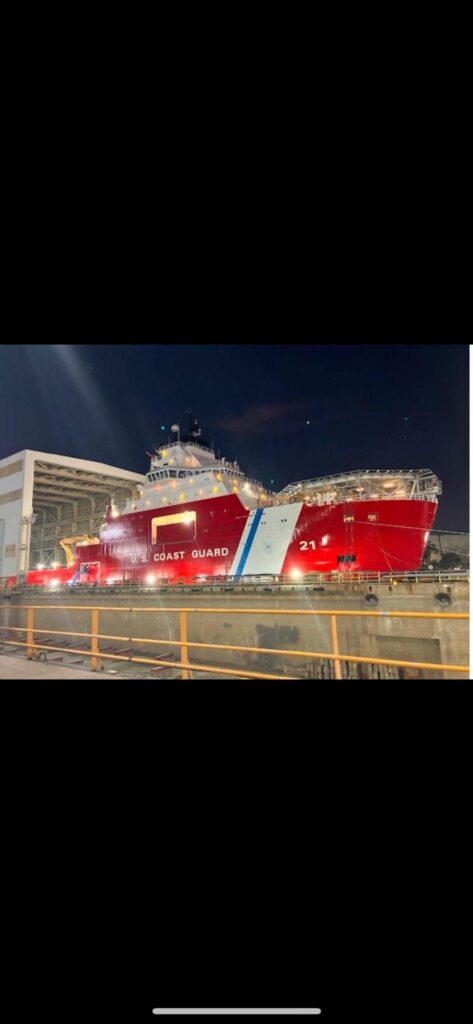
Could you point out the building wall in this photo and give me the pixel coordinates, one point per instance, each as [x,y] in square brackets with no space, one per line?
[12,473]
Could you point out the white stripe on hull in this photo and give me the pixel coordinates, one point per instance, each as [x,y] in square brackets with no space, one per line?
[243,540]
[271,540]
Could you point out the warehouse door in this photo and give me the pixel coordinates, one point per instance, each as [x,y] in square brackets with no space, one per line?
[412,648]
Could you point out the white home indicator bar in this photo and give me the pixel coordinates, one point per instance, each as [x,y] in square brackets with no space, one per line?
[287,1012]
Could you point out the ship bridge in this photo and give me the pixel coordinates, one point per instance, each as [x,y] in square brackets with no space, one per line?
[188,471]
[364,485]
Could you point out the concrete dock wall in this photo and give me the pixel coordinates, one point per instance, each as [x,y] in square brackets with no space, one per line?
[432,640]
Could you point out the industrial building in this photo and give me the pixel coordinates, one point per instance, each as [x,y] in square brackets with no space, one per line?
[45,498]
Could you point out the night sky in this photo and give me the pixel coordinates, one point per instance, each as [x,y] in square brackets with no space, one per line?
[285,412]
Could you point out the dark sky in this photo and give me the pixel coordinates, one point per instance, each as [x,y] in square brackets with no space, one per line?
[368,407]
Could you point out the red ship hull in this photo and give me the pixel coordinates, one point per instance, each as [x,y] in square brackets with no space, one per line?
[220,537]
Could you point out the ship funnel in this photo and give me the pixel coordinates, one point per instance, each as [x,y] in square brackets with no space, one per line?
[175,429]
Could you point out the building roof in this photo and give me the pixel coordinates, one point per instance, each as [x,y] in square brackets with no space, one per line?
[61,477]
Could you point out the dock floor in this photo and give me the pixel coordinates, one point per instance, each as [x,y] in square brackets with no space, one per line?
[21,668]
[12,667]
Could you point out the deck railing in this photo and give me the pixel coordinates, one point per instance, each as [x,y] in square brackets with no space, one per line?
[334,655]
[293,581]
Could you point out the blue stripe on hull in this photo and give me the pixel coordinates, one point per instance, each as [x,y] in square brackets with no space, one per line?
[250,539]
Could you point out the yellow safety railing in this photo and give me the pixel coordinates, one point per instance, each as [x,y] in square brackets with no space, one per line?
[97,656]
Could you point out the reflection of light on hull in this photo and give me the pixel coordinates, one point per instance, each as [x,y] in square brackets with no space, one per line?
[278,541]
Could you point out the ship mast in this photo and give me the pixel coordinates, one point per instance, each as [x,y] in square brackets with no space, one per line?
[192,432]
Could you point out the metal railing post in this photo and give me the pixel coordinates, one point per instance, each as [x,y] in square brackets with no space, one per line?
[335,649]
[29,633]
[94,645]
[183,639]
[32,640]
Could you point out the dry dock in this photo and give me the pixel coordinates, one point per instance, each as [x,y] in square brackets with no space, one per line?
[368,625]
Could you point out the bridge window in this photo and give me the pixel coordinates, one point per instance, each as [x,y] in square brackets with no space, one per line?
[348,519]
[346,558]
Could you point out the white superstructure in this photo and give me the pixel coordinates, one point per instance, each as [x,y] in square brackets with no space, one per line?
[186,471]
[364,485]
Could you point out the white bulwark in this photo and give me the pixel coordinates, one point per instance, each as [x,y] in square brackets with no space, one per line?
[45,498]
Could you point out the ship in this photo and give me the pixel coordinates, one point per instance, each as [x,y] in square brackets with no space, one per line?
[198,516]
